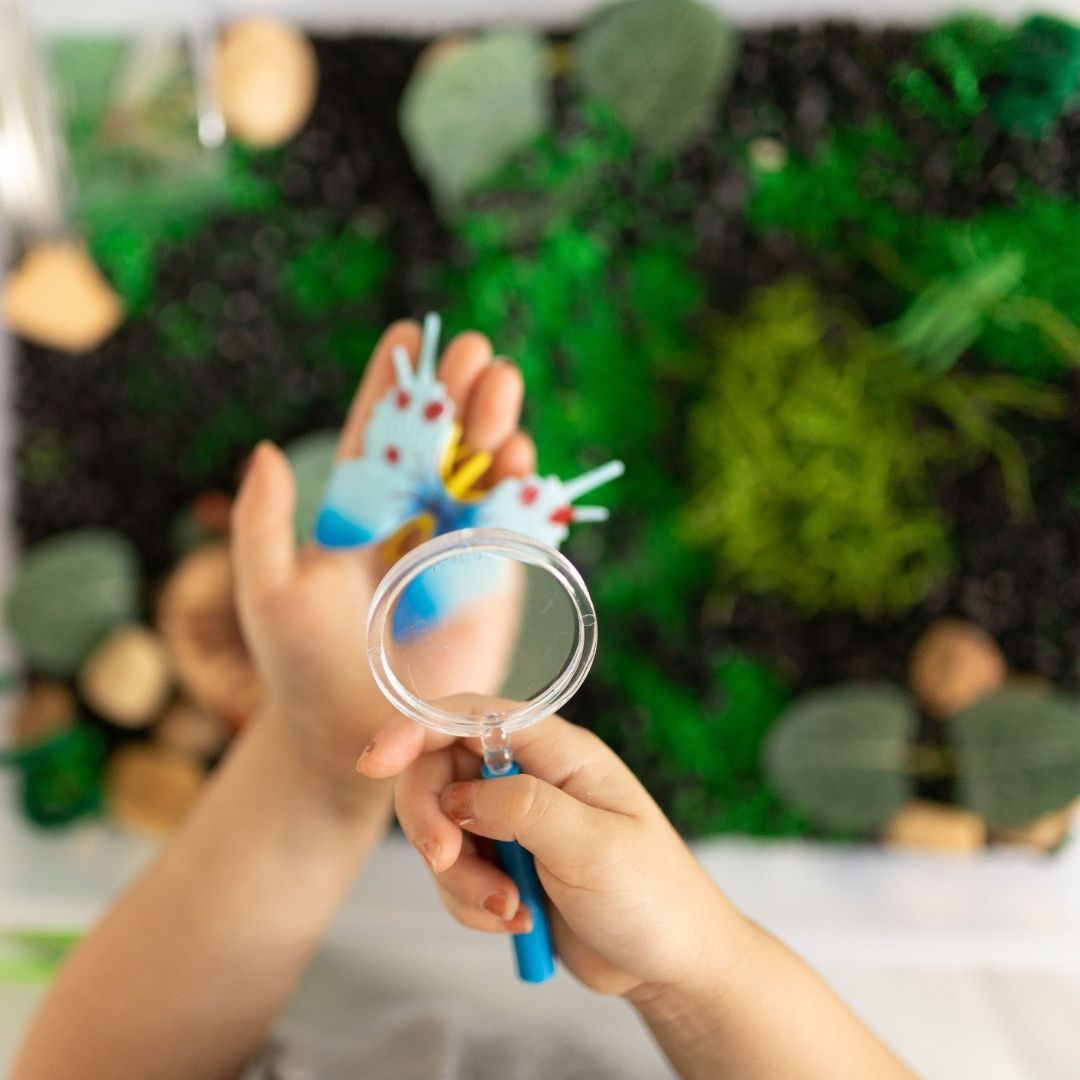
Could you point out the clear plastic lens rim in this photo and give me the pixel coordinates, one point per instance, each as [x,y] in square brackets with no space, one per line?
[477,542]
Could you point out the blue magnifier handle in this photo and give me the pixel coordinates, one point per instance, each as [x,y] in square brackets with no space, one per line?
[534,950]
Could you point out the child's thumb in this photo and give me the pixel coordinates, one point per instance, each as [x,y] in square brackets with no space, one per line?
[263,534]
[564,834]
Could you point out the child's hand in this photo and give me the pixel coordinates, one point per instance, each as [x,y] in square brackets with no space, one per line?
[633,911]
[304,613]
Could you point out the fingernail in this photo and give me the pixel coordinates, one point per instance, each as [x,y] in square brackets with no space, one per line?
[521,923]
[457,801]
[430,850]
[363,754]
[255,454]
[498,903]
[251,463]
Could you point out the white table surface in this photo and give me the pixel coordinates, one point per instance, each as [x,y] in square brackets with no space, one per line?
[971,969]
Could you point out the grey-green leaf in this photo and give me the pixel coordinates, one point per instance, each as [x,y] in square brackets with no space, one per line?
[1018,754]
[311,457]
[465,115]
[68,593]
[840,754]
[661,65]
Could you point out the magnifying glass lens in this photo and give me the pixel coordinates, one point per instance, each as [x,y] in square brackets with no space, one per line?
[481,628]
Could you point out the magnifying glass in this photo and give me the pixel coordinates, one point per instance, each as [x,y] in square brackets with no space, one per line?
[482,632]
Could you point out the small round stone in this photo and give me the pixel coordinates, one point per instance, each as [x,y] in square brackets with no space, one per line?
[954,664]
[267,77]
[935,827]
[126,678]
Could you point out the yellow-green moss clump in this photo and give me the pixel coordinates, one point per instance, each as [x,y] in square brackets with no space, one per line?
[809,480]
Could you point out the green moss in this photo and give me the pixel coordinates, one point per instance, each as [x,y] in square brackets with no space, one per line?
[808,482]
[959,54]
[1023,78]
[225,436]
[1041,73]
[857,202]
[63,777]
[578,264]
[702,752]
[814,466]
[334,270]
[593,321]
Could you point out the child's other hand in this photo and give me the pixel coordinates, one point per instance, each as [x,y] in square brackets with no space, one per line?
[633,911]
[304,613]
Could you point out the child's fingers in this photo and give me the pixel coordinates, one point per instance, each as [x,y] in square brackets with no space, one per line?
[516,457]
[580,763]
[397,745]
[570,838]
[416,801]
[378,378]
[471,914]
[494,406]
[263,536]
[463,361]
[475,887]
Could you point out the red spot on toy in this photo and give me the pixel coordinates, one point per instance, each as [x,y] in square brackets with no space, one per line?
[403,399]
[433,410]
[563,516]
[529,494]
[393,455]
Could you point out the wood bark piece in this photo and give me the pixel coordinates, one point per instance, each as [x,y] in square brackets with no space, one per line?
[126,678]
[151,788]
[47,708]
[267,76]
[935,827]
[57,297]
[198,621]
[953,665]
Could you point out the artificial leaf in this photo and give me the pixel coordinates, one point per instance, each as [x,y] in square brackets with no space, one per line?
[1018,754]
[68,593]
[660,65]
[465,113]
[840,754]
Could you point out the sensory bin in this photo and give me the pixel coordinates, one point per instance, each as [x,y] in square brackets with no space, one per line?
[817,288]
